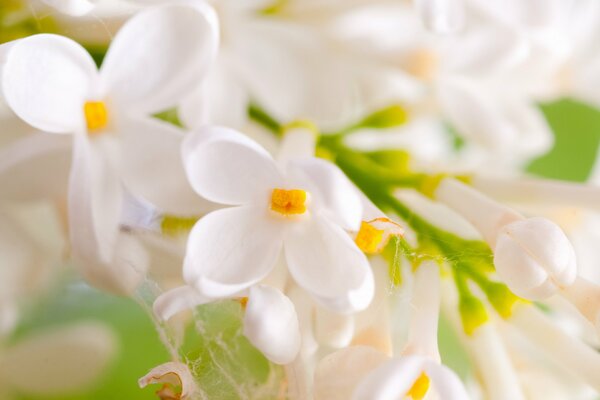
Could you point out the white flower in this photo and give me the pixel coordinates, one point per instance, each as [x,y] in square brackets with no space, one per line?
[532,256]
[307,81]
[52,83]
[465,79]
[302,210]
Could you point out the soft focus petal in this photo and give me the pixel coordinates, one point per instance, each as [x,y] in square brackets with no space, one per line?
[159,54]
[46,80]
[341,200]
[42,161]
[220,100]
[353,301]
[156,173]
[338,374]
[176,300]
[332,329]
[123,273]
[324,260]
[392,380]
[231,249]
[445,382]
[442,16]
[176,378]
[72,7]
[271,324]
[95,200]
[226,167]
[60,361]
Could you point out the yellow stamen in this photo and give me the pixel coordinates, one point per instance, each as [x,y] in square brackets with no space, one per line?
[288,202]
[368,238]
[96,116]
[243,301]
[374,235]
[419,388]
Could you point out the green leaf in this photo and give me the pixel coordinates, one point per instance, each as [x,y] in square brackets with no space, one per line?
[576,128]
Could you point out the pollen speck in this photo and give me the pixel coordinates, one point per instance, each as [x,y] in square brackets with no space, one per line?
[419,388]
[288,202]
[96,115]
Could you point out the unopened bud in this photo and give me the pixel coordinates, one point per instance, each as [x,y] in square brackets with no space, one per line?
[534,258]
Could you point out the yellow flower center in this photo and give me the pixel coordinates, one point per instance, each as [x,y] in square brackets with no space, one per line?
[288,202]
[96,116]
[419,388]
[368,238]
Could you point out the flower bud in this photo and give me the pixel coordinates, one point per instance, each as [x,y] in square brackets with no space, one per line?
[534,258]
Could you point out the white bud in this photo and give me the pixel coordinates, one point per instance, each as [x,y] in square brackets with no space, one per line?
[534,258]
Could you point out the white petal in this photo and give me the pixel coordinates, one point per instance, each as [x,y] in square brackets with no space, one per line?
[220,100]
[442,16]
[41,160]
[341,200]
[477,115]
[46,80]
[173,375]
[323,259]
[95,200]
[445,382]
[231,249]
[123,273]
[72,7]
[271,324]
[392,380]
[60,361]
[226,167]
[159,54]
[353,301]
[156,173]
[338,374]
[176,300]
[332,329]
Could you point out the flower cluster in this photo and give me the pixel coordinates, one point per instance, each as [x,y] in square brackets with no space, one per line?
[340,181]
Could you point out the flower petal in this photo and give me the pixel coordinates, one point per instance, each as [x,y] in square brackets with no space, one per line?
[442,16]
[353,301]
[341,199]
[95,200]
[123,273]
[226,167]
[60,361]
[392,380]
[41,160]
[338,374]
[445,382]
[46,80]
[172,44]
[156,173]
[220,100]
[323,259]
[176,300]
[173,375]
[332,329]
[74,8]
[271,324]
[231,249]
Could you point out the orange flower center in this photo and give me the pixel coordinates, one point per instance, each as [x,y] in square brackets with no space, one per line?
[96,116]
[288,202]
